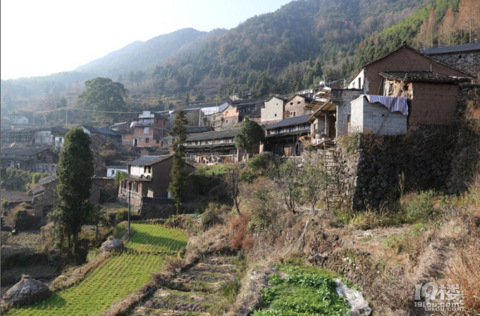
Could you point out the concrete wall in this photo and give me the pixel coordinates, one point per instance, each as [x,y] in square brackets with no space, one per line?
[376,118]
[273,111]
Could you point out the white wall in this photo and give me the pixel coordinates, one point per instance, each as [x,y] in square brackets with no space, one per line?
[273,110]
[359,82]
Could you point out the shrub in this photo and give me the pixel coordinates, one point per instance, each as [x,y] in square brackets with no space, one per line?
[348,143]
[210,218]
[419,207]
[240,239]
[122,215]
[19,180]
[260,162]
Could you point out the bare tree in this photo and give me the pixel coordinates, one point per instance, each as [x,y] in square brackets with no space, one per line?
[233,179]
[314,180]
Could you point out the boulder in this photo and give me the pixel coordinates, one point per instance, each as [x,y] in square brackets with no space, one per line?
[112,245]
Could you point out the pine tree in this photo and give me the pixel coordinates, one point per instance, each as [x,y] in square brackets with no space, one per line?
[178,173]
[74,172]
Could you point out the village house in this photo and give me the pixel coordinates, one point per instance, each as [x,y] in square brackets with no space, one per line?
[272,110]
[18,136]
[112,170]
[413,89]
[212,147]
[147,181]
[432,97]
[322,123]
[405,58]
[236,112]
[58,134]
[283,138]
[297,105]
[33,159]
[464,57]
[101,135]
[44,196]
[147,131]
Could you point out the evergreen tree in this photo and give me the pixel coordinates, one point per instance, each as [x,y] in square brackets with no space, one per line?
[74,172]
[250,134]
[178,173]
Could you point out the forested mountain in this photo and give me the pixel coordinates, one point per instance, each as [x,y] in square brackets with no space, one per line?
[290,49]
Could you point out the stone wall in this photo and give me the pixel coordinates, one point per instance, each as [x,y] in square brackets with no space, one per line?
[376,169]
[468,62]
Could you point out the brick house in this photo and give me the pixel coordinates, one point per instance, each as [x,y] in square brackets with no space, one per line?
[146,131]
[236,112]
[430,87]
[297,106]
[148,180]
[432,96]
[404,58]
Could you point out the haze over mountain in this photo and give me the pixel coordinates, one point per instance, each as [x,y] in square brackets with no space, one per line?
[146,55]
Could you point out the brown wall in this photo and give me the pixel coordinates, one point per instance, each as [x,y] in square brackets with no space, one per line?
[295,107]
[433,104]
[404,59]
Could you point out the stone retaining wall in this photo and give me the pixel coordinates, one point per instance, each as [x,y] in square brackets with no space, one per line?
[379,168]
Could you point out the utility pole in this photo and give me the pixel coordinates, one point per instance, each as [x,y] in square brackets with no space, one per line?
[128,215]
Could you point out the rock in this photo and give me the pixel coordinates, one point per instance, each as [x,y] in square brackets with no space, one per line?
[112,244]
[359,306]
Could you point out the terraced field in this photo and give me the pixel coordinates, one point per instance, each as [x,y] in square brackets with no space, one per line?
[116,277]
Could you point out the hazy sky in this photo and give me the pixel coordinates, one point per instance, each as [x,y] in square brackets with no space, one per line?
[41,37]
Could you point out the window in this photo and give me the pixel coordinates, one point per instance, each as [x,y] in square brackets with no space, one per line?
[291,103]
[146,130]
[359,83]
[147,140]
[275,114]
[298,102]
[158,141]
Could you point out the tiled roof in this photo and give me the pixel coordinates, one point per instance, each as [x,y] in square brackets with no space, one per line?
[452,49]
[22,151]
[148,160]
[295,120]
[229,133]
[103,131]
[422,76]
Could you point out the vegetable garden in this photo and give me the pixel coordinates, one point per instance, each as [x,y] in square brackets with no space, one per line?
[116,277]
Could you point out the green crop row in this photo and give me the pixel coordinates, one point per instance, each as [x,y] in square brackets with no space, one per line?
[118,276]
